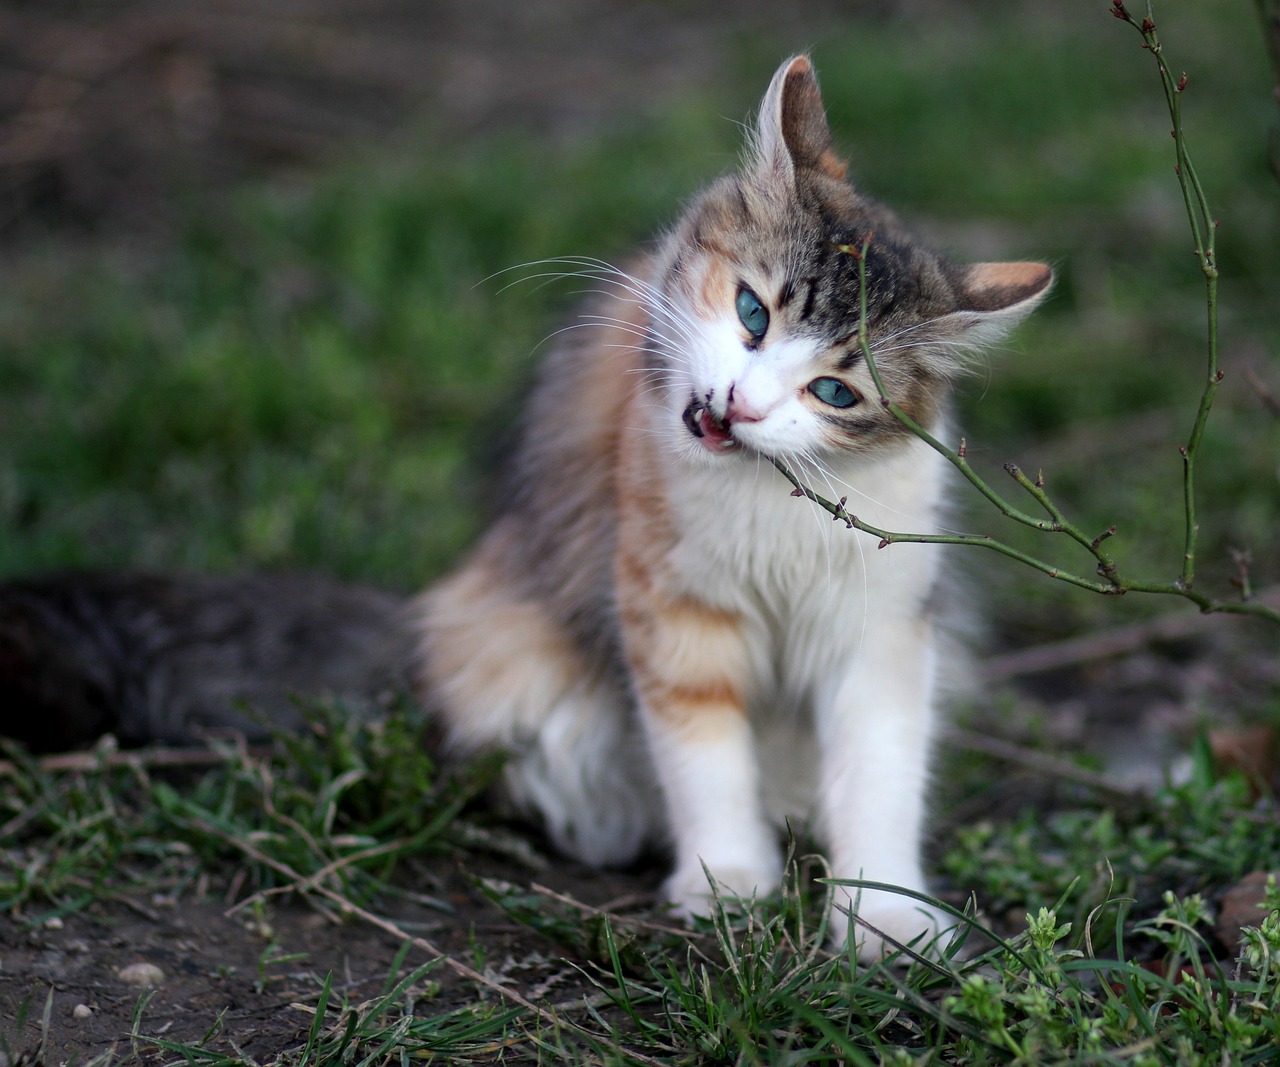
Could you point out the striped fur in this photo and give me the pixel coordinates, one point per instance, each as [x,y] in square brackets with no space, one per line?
[674,649]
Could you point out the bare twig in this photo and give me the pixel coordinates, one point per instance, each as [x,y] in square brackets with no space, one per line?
[1265,393]
[138,760]
[344,906]
[1105,644]
[1204,228]
[640,924]
[1269,13]
[1039,762]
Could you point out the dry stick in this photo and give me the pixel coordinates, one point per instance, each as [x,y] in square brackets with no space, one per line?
[347,907]
[1204,229]
[590,909]
[1036,659]
[312,881]
[1269,13]
[1038,761]
[143,759]
[1109,579]
[1265,394]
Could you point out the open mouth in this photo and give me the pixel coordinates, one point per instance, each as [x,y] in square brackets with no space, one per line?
[713,434]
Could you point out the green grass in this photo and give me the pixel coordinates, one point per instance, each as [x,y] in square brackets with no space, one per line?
[344,800]
[314,374]
[1108,958]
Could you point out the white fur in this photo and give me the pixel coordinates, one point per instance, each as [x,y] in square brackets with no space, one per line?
[844,667]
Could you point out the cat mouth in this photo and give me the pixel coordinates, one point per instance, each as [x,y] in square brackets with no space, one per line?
[712,433]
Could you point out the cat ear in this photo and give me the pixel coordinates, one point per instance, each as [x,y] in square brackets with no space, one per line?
[792,131]
[992,298]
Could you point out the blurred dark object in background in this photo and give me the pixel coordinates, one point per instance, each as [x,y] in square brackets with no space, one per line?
[112,111]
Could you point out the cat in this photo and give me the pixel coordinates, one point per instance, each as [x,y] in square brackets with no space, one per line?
[673,649]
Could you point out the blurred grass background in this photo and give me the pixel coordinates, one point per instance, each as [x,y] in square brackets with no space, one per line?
[305,368]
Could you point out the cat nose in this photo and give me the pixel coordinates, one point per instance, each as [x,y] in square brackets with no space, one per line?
[739,409]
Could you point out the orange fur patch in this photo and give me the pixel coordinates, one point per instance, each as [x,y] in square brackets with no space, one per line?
[483,648]
[716,293]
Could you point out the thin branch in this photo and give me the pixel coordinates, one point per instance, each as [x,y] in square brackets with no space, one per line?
[140,759]
[889,537]
[665,929]
[1204,229]
[1039,762]
[1105,644]
[1269,13]
[307,885]
[1265,393]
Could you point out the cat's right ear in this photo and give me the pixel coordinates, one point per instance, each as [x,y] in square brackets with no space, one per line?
[992,298]
[792,131]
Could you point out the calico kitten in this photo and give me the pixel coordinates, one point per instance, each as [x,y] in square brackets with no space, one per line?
[673,648]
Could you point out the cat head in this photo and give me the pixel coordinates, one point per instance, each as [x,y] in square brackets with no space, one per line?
[756,335]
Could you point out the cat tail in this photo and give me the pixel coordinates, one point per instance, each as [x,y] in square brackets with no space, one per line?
[165,658]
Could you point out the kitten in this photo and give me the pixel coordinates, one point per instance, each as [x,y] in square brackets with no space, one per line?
[674,649]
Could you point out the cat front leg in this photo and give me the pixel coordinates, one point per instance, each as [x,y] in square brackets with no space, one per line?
[875,725]
[689,668]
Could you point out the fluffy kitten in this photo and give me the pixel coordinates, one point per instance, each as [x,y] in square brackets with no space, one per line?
[671,646]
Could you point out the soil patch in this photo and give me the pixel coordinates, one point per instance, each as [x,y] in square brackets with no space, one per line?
[248,978]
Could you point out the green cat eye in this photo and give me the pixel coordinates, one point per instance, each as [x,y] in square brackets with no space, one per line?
[753,314]
[833,391]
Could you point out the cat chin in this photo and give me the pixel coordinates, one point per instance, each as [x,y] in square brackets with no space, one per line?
[713,438]
[718,445]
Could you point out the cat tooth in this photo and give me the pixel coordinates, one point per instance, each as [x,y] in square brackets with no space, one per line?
[692,418]
[716,434]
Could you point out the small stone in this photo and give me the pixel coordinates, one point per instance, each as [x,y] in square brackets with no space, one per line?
[82,1011]
[1242,905]
[54,923]
[141,974]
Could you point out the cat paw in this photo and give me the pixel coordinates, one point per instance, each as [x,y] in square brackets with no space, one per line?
[690,893]
[890,921]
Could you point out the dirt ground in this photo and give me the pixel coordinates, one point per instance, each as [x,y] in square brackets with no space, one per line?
[106,111]
[1133,709]
[249,978]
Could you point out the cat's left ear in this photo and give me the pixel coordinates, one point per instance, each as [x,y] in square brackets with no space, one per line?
[992,298]
[792,132]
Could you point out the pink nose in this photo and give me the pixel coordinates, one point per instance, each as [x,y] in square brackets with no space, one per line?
[739,409]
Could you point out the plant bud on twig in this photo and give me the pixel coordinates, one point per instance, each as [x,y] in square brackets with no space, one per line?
[1110,531]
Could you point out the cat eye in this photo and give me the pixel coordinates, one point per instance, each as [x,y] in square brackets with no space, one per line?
[752,313]
[834,392]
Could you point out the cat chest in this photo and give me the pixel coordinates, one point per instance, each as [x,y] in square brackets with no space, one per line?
[804,588]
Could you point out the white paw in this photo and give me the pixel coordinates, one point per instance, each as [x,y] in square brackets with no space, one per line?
[888,918]
[690,892]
